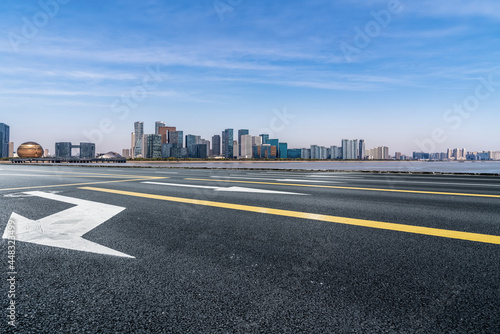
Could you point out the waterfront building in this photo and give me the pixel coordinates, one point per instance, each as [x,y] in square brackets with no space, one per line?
[216,145]
[138,138]
[256,140]
[87,150]
[245,146]
[158,124]
[227,143]
[63,150]
[294,153]
[241,132]
[264,137]
[164,131]
[283,150]
[4,140]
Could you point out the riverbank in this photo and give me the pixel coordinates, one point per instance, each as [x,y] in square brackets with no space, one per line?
[410,167]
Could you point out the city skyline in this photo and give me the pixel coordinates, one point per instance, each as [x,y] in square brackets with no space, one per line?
[385,71]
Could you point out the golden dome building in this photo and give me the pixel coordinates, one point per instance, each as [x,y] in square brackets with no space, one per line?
[30,150]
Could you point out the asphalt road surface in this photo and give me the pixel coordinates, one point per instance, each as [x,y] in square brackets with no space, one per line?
[132,250]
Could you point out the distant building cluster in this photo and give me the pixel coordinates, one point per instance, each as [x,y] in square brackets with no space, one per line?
[168,142]
[457,154]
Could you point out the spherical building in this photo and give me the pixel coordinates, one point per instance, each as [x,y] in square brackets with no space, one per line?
[30,150]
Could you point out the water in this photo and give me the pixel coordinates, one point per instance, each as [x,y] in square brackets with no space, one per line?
[490,167]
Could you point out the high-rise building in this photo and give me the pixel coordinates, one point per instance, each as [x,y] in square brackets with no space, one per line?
[283,150]
[11,149]
[335,152]
[245,146]
[294,153]
[163,131]
[216,145]
[158,124]
[227,143]
[87,150]
[138,139]
[190,143]
[361,152]
[314,152]
[264,151]
[350,149]
[63,150]
[4,140]
[323,153]
[275,143]
[176,138]
[126,153]
[207,144]
[152,147]
[305,153]
[264,137]
[46,153]
[241,132]
[382,153]
[256,140]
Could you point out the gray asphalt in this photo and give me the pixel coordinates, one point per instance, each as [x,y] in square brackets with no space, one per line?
[201,269]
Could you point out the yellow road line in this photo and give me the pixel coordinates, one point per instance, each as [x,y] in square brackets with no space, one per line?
[354,188]
[78,184]
[484,238]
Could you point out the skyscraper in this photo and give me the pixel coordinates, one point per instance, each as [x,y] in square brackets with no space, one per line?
[283,151]
[264,137]
[138,137]
[350,149]
[190,145]
[256,140]
[4,140]
[11,149]
[152,146]
[158,124]
[361,149]
[335,152]
[163,131]
[245,145]
[241,132]
[216,145]
[315,152]
[227,143]
[176,138]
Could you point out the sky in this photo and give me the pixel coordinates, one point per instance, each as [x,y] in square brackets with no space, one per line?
[411,75]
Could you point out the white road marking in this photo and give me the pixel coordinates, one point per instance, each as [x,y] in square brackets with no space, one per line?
[334,176]
[65,229]
[430,182]
[268,179]
[44,175]
[229,189]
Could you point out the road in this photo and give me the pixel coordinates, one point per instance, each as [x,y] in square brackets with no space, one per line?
[121,250]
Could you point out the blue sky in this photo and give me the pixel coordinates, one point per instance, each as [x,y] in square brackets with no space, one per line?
[238,63]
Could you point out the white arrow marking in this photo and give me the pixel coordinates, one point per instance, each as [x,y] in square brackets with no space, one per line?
[65,229]
[234,189]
